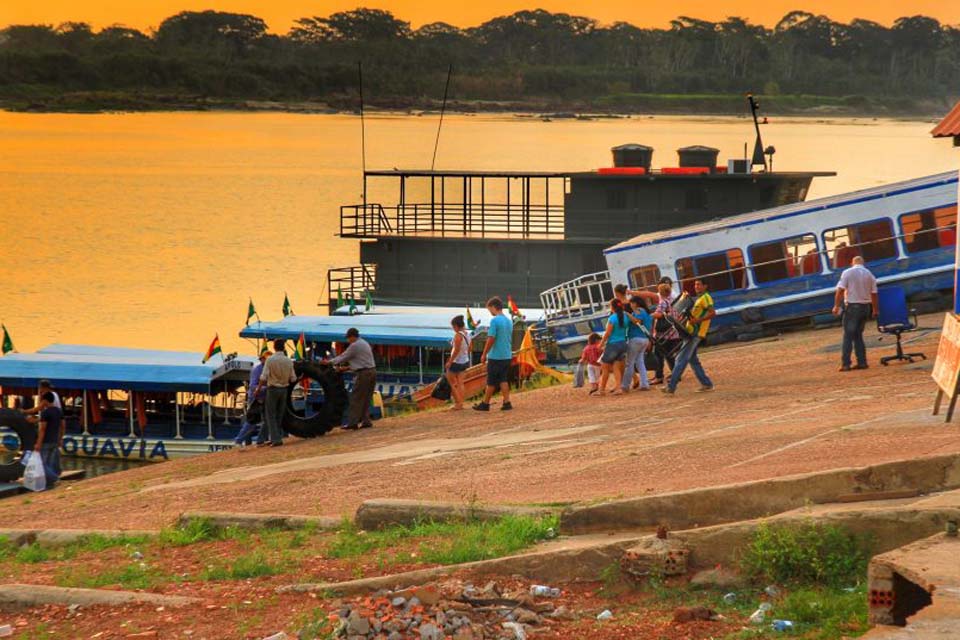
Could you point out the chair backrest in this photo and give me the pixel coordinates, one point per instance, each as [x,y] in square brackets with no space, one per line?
[893,307]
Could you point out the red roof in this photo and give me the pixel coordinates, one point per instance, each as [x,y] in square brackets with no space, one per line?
[950,125]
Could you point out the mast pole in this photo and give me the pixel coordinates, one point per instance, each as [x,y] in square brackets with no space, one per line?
[443,108]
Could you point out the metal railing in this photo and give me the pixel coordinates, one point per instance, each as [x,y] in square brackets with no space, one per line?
[579,298]
[452,219]
[351,283]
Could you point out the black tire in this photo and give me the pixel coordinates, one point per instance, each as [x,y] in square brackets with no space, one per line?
[334,406]
[16,422]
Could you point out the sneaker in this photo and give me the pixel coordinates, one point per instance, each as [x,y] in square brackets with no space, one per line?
[844,367]
[666,389]
[860,366]
[705,389]
[506,406]
[350,427]
[367,425]
[657,381]
[481,406]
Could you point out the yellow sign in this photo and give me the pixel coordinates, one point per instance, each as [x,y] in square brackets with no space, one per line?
[946,369]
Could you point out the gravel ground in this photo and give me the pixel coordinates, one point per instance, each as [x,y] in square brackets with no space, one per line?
[780,407]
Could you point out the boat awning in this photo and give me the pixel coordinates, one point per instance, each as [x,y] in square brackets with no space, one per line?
[404,326]
[97,368]
[949,127]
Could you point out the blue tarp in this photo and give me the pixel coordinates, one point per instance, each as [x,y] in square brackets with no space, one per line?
[91,367]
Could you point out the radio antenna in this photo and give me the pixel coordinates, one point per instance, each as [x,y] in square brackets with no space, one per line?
[363,132]
[443,108]
[758,156]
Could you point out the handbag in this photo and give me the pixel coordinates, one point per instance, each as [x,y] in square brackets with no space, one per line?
[34,476]
[441,389]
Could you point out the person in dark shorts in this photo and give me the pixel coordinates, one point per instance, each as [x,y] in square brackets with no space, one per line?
[459,360]
[498,354]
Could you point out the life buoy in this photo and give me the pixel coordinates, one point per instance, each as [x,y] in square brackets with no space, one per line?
[26,435]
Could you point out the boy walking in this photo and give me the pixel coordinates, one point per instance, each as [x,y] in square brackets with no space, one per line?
[497,354]
[701,314]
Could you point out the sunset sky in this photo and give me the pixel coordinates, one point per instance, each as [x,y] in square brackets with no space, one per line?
[279,14]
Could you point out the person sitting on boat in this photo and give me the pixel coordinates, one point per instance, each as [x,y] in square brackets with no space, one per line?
[843,255]
[856,298]
[253,416]
[459,360]
[359,357]
[697,326]
[49,436]
[498,355]
[277,377]
[811,263]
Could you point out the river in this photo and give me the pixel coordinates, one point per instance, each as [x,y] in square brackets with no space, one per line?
[153,229]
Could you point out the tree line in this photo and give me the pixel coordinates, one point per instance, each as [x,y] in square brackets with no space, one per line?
[526,55]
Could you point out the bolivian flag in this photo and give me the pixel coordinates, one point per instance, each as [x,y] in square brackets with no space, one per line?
[299,349]
[471,323]
[265,348]
[213,349]
[514,309]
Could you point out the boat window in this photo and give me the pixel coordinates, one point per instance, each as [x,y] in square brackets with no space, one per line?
[784,259]
[873,240]
[616,198]
[507,261]
[719,271]
[646,277]
[930,229]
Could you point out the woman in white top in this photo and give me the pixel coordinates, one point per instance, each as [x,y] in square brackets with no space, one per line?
[459,360]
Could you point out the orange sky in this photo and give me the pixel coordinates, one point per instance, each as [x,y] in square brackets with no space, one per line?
[279,14]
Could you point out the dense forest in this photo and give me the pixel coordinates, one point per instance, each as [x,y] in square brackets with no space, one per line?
[533,57]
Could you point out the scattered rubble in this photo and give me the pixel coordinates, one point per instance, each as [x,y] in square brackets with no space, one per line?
[453,609]
[655,556]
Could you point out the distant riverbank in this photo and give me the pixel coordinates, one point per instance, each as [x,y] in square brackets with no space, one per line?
[625,103]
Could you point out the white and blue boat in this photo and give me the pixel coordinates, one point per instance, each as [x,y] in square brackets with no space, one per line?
[137,404]
[780,264]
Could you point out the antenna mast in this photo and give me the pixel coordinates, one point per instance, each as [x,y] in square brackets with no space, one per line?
[758,156]
[443,109]
[363,133]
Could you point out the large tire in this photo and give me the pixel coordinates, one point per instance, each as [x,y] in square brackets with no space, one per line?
[26,433]
[334,406]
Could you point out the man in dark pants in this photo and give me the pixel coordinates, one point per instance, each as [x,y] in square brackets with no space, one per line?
[858,289]
[49,436]
[359,356]
[277,377]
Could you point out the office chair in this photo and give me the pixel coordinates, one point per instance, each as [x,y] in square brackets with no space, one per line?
[893,318]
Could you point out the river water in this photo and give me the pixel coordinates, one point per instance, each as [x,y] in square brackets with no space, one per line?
[153,229]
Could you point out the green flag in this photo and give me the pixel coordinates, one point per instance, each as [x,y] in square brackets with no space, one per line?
[287,309]
[353,306]
[251,312]
[7,346]
[339,298]
[369,300]
[471,324]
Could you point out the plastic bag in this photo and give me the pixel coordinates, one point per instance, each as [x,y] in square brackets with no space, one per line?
[34,477]
[578,375]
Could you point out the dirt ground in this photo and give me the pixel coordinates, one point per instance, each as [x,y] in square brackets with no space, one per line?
[780,407]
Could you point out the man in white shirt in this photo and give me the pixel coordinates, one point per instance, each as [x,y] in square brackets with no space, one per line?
[43,387]
[857,289]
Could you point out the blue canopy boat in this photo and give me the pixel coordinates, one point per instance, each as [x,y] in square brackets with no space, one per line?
[132,403]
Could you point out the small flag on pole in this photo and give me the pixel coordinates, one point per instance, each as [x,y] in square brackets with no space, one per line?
[251,312]
[287,309]
[353,306]
[299,348]
[471,323]
[368,305]
[213,349]
[514,309]
[265,348]
[7,345]
[339,298]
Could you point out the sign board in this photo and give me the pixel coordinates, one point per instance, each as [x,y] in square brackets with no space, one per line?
[946,368]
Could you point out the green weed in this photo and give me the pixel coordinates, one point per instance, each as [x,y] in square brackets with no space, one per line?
[807,553]
[130,576]
[252,565]
[32,554]
[193,531]
[313,625]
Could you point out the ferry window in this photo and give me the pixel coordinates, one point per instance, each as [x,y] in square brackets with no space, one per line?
[507,261]
[928,230]
[646,277]
[695,198]
[873,240]
[784,259]
[719,271]
[616,198]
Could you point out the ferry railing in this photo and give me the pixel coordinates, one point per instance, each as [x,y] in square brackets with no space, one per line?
[578,298]
[523,220]
[353,282]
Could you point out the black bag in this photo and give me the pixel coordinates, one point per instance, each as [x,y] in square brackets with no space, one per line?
[441,390]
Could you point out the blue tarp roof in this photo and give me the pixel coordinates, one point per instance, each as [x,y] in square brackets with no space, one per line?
[333,328]
[93,367]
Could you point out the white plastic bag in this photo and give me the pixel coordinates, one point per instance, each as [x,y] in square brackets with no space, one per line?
[34,477]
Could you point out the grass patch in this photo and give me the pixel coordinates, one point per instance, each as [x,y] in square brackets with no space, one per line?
[130,576]
[825,614]
[251,565]
[32,554]
[191,532]
[445,542]
[805,554]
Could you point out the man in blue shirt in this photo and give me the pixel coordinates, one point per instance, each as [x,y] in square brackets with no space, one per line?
[497,354]
[253,416]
